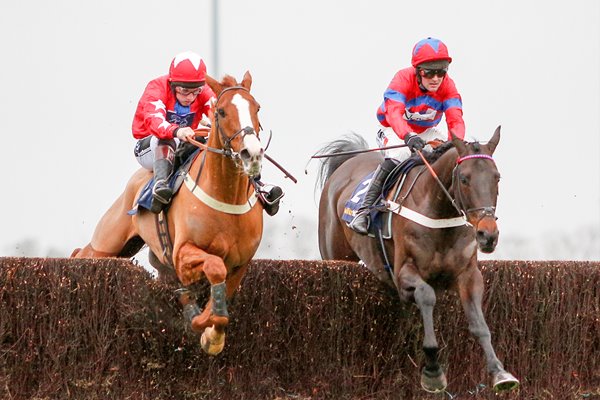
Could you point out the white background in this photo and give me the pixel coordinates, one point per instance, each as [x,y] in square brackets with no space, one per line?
[73,71]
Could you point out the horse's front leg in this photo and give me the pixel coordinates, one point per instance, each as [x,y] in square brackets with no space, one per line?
[413,287]
[470,288]
[190,263]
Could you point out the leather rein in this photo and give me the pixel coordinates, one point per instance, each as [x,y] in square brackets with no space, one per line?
[458,203]
[227,151]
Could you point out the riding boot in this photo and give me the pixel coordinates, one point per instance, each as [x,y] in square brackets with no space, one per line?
[360,222]
[163,166]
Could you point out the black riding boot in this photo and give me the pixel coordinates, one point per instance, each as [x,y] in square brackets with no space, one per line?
[273,197]
[360,223]
[163,166]
[270,195]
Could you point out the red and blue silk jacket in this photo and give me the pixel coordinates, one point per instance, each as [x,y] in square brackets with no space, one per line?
[407,108]
[156,111]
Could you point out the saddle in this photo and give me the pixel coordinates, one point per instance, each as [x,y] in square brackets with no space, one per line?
[381,217]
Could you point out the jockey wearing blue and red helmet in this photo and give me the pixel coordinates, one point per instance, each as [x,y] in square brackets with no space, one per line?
[413,105]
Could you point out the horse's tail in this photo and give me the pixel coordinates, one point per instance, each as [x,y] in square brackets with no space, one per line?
[349,142]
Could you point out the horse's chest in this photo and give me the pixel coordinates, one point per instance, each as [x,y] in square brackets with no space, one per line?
[234,243]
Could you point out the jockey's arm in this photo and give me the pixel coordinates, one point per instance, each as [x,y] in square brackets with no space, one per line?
[456,124]
[394,115]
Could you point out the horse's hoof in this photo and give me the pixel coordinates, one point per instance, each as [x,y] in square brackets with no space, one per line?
[504,382]
[212,342]
[433,382]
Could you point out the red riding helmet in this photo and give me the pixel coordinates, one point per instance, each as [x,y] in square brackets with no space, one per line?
[187,67]
[428,50]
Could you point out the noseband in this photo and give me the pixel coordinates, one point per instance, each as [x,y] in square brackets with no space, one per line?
[227,150]
[489,211]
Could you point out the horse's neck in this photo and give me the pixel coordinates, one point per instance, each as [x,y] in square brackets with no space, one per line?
[221,179]
[431,193]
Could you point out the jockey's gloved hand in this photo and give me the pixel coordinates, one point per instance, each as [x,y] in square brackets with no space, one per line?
[414,142]
[184,133]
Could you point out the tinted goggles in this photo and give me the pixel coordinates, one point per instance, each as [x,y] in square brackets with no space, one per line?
[430,73]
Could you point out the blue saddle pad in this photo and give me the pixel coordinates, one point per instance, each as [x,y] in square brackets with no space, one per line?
[145,198]
[357,198]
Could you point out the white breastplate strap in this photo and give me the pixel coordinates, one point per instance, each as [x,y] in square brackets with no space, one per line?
[423,220]
[216,204]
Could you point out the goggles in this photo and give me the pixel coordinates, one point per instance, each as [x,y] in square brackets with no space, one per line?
[186,92]
[430,73]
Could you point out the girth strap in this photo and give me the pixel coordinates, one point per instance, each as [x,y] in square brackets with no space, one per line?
[162,228]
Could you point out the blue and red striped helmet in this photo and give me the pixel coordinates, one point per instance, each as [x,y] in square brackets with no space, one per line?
[428,50]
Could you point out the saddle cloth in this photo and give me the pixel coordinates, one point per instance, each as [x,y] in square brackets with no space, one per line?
[175,181]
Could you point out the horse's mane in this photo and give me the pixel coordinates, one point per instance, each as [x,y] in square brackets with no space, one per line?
[349,142]
[229,81]
[436,153]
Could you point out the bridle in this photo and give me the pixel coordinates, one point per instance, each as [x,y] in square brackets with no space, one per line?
[227,150]
[458,203]
[489,211]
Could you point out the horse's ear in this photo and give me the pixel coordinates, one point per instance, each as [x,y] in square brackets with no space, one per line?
[214,85]
[247,81]
[493,142]
[458,143]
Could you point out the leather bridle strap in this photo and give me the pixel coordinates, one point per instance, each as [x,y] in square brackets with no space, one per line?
[489,211]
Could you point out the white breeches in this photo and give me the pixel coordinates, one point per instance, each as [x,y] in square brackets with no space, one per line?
[144,151]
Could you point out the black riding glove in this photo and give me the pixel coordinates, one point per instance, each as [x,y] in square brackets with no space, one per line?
[414,142]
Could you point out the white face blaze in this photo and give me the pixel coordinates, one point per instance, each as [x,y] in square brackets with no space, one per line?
[253,150]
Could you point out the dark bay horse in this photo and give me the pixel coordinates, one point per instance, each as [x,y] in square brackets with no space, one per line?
[423,256]
[215,223]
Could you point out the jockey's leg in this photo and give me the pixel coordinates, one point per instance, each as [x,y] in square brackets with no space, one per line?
[360,223]
[163,166]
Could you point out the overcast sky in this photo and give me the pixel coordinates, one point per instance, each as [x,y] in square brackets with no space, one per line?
[73,71]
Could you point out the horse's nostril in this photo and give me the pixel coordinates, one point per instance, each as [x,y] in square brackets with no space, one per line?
[244,154]
[483,237]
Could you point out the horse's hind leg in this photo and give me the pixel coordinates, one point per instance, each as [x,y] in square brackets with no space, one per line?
[412,286]
[112,233]
[470,288]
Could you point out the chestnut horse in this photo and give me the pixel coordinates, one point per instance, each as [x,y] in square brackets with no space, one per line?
[215,223]
[428,255]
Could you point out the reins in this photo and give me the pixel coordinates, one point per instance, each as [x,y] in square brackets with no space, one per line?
[227,150]
[487,211]
[432,172]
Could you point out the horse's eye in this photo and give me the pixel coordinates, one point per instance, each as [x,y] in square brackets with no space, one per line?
[221,112]
[464,179]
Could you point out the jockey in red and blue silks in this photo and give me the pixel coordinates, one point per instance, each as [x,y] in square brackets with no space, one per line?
[413,105]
